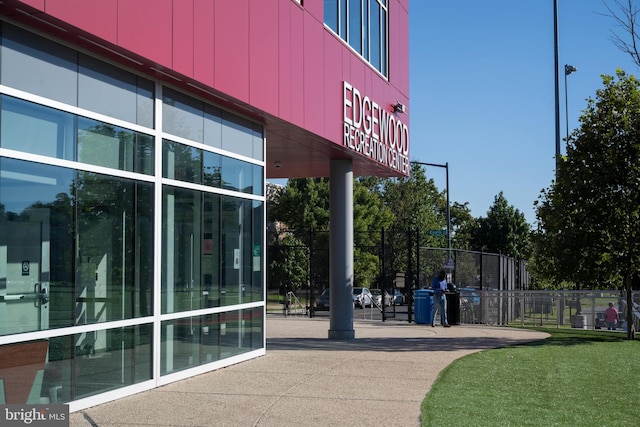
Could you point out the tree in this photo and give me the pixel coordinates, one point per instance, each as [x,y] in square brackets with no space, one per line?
[589,220]
[625,15]
[504,230]
[463,225]
[418,207]
[303,205]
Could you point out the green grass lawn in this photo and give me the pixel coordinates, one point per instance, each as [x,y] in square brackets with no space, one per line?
[574,378]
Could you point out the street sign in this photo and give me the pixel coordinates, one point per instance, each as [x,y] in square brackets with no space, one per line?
[437,232]
[449,264]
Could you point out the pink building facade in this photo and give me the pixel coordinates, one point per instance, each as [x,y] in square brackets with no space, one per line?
[184,108]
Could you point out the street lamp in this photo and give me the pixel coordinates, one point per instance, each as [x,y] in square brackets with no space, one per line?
[557,82]
[568,69]
[446,166]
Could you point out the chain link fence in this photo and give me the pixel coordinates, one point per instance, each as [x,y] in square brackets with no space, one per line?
[577,309]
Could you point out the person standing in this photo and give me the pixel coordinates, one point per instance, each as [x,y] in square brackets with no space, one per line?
[611,317]
[439,286]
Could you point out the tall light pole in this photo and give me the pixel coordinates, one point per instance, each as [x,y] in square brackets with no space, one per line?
[568,69]
[446,166]
[557,82]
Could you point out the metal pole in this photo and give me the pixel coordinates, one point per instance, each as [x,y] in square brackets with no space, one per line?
[557,82]
[446,165]
[566,103]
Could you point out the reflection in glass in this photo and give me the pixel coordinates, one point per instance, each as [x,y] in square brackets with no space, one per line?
[184,163]
[63,369]
[75,247]
[38,65]
[212,250]
[114,147]
[181,162]
[191,255]
[197,340]
[36,129]
[114,92]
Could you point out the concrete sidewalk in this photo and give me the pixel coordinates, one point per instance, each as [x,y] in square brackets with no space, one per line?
[380,378]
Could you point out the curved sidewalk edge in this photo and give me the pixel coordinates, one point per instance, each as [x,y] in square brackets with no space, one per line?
[380,378]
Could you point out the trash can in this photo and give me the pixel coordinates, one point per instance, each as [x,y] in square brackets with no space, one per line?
[423,306]
[453,307]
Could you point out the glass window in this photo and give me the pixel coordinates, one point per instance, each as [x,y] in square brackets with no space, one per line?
[36,246]
[191,254]
[36,129]
[38,65]
[354,32]
[189,118]
[114,147]
[237,175]
[114,92]
[45,131]
[212,126]
[78,366]
[194,341]
[182,115]
[114,273]
[181,162]
[376,41]
[86,241]
[258,142]
[331,14]
[384,46]
[189,164]
[240,241]
[210,247]
[362,24]
[212,169]
[237,135]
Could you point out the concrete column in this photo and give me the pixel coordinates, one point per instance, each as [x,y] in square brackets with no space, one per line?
[341,250]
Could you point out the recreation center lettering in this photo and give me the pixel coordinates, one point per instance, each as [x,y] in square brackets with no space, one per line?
[373,131]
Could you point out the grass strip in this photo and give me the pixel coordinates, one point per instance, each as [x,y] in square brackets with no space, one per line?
[573,378]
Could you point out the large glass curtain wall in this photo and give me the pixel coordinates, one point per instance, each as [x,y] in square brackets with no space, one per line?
[130,247]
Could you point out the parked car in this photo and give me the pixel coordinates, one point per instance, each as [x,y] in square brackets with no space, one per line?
[378,297]
[322,303]
[362,297]
[398,297]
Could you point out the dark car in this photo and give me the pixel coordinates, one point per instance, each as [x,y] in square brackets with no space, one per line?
[398,297]
[322,303]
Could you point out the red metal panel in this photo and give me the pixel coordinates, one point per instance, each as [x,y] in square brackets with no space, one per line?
[203,41]
[231,62]
[38,4]
[333,78]
[296,63]
[315,8]
[183,19]
[399,49]
[284,51]
[98,17]
[313,75]
[264,55]
[144,27]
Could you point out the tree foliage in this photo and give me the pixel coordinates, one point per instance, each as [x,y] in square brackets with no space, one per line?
[504,230]
[589,220]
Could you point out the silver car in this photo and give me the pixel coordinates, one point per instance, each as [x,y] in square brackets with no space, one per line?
[362,297]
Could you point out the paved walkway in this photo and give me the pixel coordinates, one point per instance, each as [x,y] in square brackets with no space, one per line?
[380,378]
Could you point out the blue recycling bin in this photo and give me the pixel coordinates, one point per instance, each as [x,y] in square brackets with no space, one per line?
[423,305]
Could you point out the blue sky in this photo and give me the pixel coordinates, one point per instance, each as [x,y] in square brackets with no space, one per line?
[482,94]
